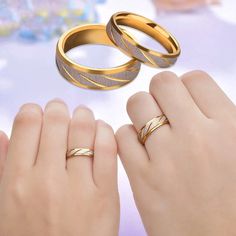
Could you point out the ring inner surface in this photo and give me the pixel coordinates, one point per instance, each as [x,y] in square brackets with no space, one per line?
[150,28]
[87,36]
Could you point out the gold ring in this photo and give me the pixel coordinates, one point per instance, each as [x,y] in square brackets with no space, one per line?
[127,44]
[151,126]
[92,78]
[77,152]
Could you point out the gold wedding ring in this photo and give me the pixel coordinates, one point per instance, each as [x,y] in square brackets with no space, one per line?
[92,78]
[151,126]
[78,152]
[127,44]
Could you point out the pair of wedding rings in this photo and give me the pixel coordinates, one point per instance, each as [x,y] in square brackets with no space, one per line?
[113,34]
[143,134]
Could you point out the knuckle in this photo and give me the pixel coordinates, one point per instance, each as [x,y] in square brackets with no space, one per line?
[54,103]
[162,79]
[17,190]
[49,191]
[49,194]
[195,75]
[58,115]
[31,107]
[199,73]
[104,196]
[136,99]
[83,109]
[194,140]
[105,125]
[83,125]
[57,106]
[123,131]
[29,114]
[193,133]
[83,119]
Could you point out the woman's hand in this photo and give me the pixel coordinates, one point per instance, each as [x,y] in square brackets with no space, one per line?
[42,192]
[184,178]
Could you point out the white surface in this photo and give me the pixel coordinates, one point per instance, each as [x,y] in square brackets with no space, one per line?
[28,73]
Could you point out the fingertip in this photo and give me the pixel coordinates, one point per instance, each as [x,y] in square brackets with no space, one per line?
[162,78]
[104,124]
[83,108]
[57,105]
[122,131]
[135,98]
[195,75]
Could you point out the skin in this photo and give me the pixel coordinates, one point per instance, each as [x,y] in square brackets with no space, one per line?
[182,4]
[42,193]
[183,179]
[3,150]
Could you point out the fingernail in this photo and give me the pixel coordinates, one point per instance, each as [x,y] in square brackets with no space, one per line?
[102,122]
[82,106]
[57,100]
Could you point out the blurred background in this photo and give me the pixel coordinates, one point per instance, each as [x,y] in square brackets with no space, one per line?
[29,30]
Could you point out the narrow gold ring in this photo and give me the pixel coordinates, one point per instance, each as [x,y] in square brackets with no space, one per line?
[151,126]
[128,44]
[92,78]
[78,152]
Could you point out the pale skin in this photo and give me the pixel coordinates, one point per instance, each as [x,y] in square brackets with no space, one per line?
[183,178]
[182,5]
[42,193]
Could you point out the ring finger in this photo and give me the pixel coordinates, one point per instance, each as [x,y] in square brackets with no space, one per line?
[81,135]
[141,108]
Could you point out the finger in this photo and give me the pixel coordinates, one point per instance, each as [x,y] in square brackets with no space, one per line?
[25,137]
[132,154]
[142,108]
[81,135]
[3,151]
[105,159]
[53,143]
[209,97]
[174,100]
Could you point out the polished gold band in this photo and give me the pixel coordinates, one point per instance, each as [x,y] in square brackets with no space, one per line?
[124,41]
[91,78]
[78,152]
[151,126]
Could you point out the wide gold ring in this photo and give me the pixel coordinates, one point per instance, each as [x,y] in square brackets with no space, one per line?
[151,126]
[92,78]
[128,44]
[78,152]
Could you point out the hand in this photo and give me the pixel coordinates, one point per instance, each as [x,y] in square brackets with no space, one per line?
[184,178]
[42,193]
